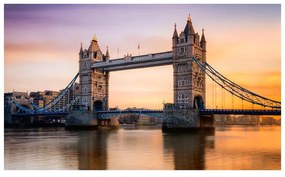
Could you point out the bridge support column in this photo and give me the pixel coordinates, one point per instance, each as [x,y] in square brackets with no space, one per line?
[81,120]
[181,120]
[112,123]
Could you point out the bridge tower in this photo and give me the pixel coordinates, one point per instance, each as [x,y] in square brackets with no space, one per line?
[93,82]
[189,83]
[189,80]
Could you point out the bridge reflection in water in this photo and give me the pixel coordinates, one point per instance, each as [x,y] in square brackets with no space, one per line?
[150,149]
[188,149]
[92,150]
[144,149]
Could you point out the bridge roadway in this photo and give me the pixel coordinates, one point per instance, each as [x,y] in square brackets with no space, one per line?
[202,112]
[40,114]
[133,62]
[272,112]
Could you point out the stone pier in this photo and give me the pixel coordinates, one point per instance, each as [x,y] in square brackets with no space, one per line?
[81,119]
[88,120]
[177,120]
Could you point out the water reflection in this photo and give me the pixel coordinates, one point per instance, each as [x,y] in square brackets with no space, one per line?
[233,148]
[246,148]
[188,149]
[40,149]
[138,149]
[92,150]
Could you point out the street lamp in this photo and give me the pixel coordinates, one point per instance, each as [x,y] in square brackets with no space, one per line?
[104,101]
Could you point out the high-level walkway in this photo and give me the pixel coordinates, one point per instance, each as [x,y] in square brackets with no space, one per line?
[133,62]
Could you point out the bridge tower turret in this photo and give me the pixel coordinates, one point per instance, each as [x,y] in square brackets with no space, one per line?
[175,37]
[93,82]
[203,46]
[107,56]
[189,80]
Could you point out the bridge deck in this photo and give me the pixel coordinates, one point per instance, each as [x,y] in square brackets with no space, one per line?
[240,111]
[203,112]
[41,114]
[141,61]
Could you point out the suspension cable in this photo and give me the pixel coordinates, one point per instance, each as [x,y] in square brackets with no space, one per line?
[235,89]
[51,104]
[60,96]
[213,98]
[223,98]
[232,101]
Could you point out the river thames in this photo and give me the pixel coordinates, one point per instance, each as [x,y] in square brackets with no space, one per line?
[228,148]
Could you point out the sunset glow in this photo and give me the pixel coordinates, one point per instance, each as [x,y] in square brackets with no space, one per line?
[42,43]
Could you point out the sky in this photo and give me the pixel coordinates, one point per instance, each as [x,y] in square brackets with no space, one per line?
[42,42]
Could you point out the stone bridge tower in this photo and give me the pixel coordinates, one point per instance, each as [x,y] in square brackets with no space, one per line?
[93,82]
[189,80]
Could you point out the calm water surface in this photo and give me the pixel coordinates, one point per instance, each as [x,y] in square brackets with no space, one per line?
[235,147]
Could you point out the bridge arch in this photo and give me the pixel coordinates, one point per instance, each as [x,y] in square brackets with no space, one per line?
[198,102]
[98,105]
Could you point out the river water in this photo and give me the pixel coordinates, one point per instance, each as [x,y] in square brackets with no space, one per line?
[228,148]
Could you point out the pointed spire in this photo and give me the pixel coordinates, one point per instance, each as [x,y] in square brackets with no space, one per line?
[189,18]
[94,45]
[189,30]
[94,38]
[81,49]
[203,39]
[107,53]
[175,35]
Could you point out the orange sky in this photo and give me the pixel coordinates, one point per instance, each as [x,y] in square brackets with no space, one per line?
[243,43]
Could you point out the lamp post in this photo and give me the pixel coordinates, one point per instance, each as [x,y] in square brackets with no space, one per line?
[93,99]
[105,101]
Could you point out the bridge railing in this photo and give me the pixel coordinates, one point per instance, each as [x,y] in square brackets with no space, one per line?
[111,113]
[130,111]
[241,111]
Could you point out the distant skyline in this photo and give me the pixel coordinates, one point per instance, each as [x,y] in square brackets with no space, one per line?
[42,42]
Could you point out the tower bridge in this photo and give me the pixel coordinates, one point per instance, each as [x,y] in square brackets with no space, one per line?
[189,80]
[188,58]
